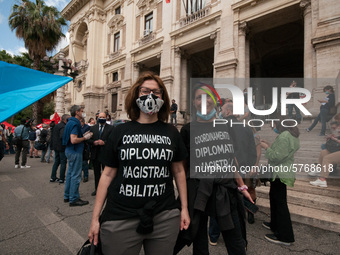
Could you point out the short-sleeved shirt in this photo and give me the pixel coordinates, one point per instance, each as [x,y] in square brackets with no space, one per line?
[143,155]
[75,148]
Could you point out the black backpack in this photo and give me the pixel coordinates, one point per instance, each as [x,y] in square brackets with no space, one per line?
[32,135]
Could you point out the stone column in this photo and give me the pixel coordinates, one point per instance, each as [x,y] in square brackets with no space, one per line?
[135,72]
[242,31]
[176,90]
[183,103]
[60,97]
[308,47]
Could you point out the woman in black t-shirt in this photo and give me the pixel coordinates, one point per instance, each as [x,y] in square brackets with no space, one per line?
[142,157]
[214,183]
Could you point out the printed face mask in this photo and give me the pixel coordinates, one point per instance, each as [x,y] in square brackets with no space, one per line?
[149,104]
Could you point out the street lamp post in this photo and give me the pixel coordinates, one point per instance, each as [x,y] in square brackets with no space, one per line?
[63,68]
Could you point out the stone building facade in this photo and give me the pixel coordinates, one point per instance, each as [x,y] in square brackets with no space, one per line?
[113,41]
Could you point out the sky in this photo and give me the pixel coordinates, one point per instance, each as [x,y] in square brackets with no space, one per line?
[8,40]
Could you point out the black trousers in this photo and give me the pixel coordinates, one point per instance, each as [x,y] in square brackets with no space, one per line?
[280,222]
[97,168]
[200,242]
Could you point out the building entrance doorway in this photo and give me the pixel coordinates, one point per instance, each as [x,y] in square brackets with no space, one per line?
[276,50]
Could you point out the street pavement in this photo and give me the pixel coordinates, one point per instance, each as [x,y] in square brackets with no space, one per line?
[35,220]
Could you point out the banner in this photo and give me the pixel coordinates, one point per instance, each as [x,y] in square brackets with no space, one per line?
[21,87]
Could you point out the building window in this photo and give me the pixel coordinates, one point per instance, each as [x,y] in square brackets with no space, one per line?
[148,24]
[193,6]
[114,102]
[115,76]
[116,42]
[117,10]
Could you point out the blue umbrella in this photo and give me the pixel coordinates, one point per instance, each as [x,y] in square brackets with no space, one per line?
[21,87]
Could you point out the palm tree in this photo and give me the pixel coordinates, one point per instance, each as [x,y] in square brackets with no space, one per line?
[40,26]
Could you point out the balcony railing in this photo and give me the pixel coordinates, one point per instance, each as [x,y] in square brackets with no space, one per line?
[191,18]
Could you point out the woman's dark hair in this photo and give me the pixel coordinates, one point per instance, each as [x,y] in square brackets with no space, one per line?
[131,106]
[327,88]
[294,131]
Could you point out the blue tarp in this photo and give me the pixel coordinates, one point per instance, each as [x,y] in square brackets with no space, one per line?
[21,87]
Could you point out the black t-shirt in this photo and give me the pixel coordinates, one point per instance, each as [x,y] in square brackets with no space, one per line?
[209,147]
[143,154]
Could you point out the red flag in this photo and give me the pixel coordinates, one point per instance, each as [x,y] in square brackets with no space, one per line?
[47,121]
[56,118]
[167,1]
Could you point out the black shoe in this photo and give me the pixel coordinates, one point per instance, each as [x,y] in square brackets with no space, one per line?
[94,193]
[37,156]
[251,218]
[52,180]
[66,200]
[31,156]
[79,202]
[61,181]
[86,179]
[266,225]
[272,238]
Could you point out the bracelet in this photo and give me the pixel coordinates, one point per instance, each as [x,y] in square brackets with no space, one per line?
[243,187]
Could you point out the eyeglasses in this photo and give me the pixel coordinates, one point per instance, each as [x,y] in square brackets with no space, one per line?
[147,91]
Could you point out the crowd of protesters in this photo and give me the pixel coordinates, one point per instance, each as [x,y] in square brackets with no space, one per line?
[139,166]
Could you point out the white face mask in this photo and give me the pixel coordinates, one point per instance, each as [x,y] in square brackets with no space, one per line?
[149,104]
[83,115]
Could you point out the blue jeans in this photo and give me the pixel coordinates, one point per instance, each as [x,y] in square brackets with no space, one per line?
[214,230]
[48,155]
[322,118]
[173,117]
[85,167]
[290,111]
[59,159]
[73,176]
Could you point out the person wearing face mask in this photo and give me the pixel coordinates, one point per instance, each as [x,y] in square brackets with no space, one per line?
[281,155]
[329,156]
[73,140]
[209,194]
[101,132]
[142,157]
[326,105]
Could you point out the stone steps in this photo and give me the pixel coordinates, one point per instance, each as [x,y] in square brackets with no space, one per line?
[319,207]
[314,217]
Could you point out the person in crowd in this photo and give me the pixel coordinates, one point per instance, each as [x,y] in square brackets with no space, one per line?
[43,140]
[59,150]
[326,104]
[245,149]
[3,142]
[141,159]
[212,195]
[109,121]
[86,152]
[49,137]
[290,107]
[173,112]
[21,132]
[73,139]
[10,141]
[101,132]
[91,122]
[329,156]
[281,154]
[32,136]
[37,135]
[5,132]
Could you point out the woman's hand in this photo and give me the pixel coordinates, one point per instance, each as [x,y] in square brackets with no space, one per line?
[94,232]
[264,145]
[247,195]
[185,219]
